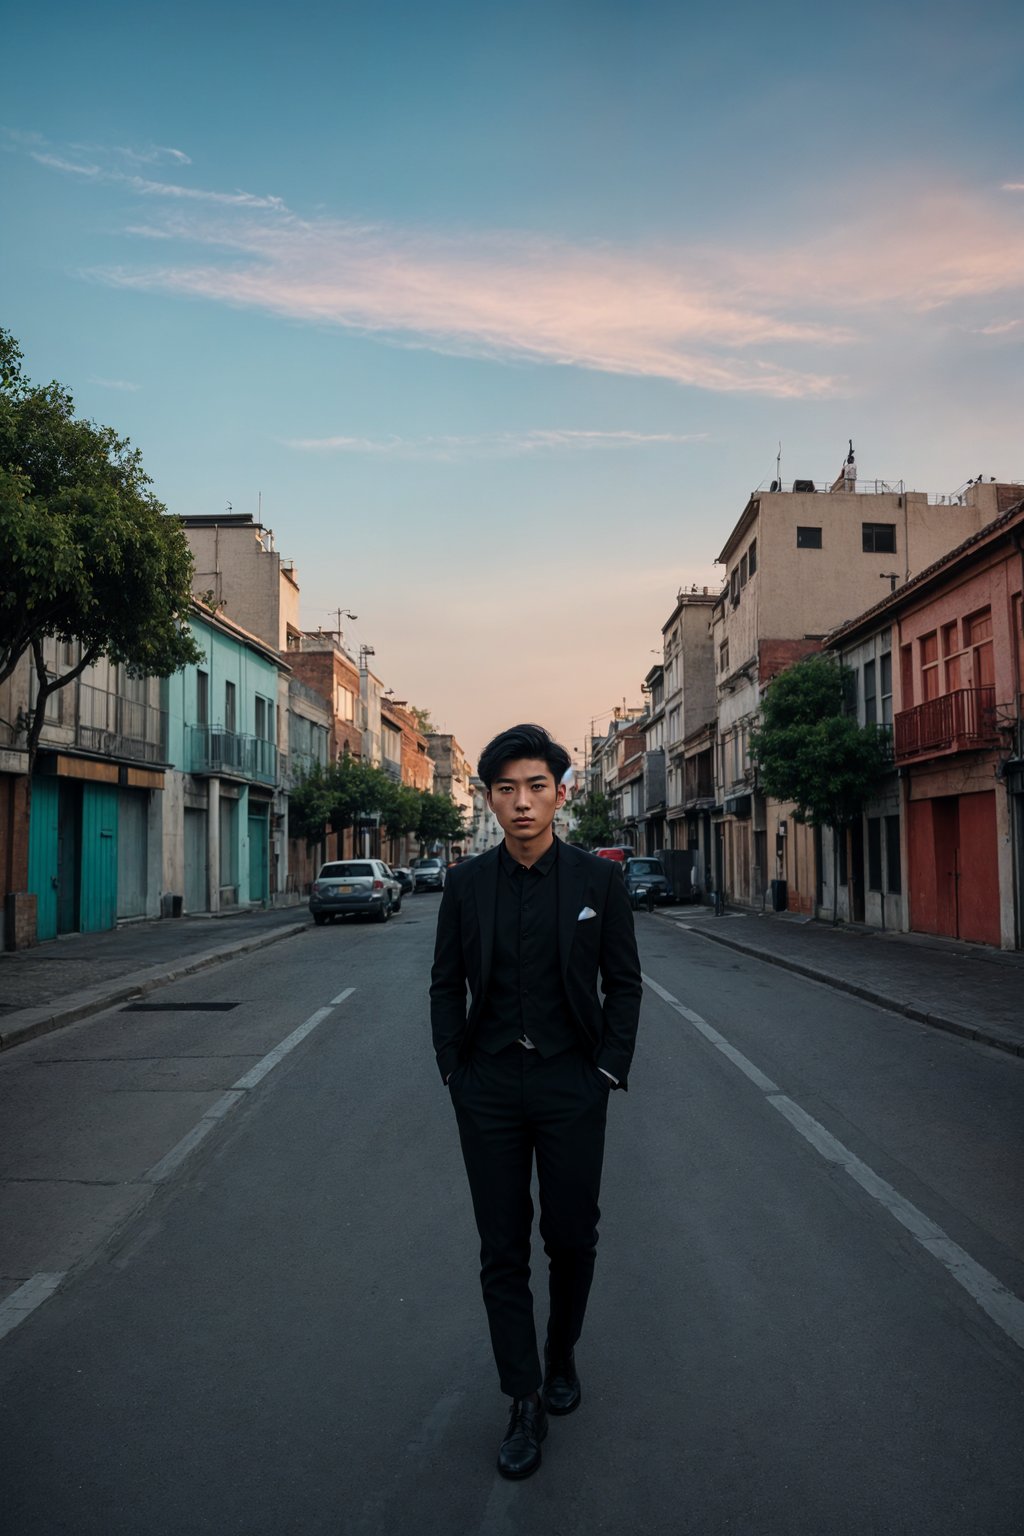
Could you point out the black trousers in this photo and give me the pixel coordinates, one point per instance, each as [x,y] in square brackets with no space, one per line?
[514,1107]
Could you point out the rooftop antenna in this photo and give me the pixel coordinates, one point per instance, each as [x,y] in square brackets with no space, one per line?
[229,506]
[778,465]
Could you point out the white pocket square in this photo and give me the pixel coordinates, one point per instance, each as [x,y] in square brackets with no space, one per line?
[587,912]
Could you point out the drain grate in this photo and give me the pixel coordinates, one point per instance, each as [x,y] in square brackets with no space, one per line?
[179,1007]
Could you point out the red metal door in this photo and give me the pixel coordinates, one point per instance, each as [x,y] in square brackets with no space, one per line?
[978,855]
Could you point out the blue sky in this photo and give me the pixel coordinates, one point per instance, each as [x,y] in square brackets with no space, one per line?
[504,310]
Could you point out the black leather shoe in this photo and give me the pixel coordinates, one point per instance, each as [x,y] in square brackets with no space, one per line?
[561,1392]
[520,1450]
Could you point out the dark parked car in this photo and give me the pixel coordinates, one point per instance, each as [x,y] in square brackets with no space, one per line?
[648,875]
[404,878]
[429,874]
[351,886]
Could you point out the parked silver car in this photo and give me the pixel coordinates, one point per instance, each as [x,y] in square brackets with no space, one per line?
[429,874]
[348,887]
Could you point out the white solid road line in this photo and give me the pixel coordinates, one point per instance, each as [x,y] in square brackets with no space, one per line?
[20,1303]
[16,1307]
[1004,1308]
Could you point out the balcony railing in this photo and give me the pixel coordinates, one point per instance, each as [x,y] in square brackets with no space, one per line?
[956,722]
[118,727]
[213,750]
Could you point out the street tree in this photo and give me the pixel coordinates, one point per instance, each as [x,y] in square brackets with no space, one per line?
[309,806]
[401,809]
[90,556]
[440,821]
[596,826]
[811,752]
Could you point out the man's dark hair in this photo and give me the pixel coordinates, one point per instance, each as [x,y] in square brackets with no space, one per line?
[519,742]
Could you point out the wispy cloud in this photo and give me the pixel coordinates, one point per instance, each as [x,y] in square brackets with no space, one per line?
[100,168]
[492,445]
[1013,186]
[778,318]
[123,384]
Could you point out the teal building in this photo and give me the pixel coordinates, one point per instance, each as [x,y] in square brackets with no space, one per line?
[222,735]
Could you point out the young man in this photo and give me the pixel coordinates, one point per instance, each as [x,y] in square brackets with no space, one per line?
[530,925]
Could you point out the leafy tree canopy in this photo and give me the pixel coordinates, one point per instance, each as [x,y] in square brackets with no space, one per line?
[596,827]
[342,792]
[89,554]
[812,753]
[424,724]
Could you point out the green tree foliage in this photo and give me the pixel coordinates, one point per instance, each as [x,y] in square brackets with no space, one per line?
[440,820]
[424,724]
[341,793]
[595,825]
[89,555]
[809,751]
[309,806]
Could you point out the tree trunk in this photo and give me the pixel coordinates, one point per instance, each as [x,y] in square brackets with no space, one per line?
[835,877]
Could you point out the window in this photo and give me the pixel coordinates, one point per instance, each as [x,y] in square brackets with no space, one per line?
[264,717]
[978,635]
[878,538]
[851,690]
[885,665]
[870,694]
[808,538]
[752,557]
[723,656]
[743,571]
[907,676]
[343,703]
[202,697]
[929,645]
[874,853]
[734,586]
[892,855]
[229,707]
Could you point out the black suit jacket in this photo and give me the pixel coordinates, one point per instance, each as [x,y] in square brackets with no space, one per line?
[603,945]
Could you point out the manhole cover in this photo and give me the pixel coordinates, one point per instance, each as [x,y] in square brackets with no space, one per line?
[178,1007]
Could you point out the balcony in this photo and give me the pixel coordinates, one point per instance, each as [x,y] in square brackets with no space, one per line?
[213,750]
[961,721]
[114,726]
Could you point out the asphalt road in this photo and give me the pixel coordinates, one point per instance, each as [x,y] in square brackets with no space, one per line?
[281,1331]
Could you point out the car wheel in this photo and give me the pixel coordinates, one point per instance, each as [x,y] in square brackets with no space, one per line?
[319,918]
[385,911]
[398,906]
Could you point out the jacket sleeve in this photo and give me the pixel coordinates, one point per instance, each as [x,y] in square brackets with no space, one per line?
[448,983]
[621,982]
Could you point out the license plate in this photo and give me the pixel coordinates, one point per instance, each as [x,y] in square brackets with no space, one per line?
[343,890]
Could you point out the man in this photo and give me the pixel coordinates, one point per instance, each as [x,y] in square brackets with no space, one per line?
[530,925]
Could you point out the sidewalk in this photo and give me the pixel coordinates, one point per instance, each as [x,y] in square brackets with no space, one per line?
[967,989]
[82,973]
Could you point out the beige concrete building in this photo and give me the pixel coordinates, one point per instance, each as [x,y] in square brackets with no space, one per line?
[799,562]
[453,772]
[690,711]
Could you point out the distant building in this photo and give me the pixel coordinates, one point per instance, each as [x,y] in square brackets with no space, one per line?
[453,772]
[953,688]
[690,727]
[798,563]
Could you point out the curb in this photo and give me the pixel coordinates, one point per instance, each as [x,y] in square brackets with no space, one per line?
[1000,1042]
[28,1023]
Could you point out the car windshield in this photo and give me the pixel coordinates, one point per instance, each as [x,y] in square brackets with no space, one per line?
[344,871]
[644,867]
[429,864]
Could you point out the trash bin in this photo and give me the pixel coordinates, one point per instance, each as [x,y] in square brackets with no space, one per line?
[779,896]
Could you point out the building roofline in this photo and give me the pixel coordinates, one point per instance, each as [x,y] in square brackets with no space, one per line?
[236,632]
[933,573]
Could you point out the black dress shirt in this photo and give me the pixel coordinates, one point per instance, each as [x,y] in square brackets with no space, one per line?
[525,995]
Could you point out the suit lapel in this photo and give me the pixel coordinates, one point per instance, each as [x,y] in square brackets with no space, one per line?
[572,885]
[485,872]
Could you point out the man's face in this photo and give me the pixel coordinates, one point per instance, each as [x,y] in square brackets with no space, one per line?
[525,797]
